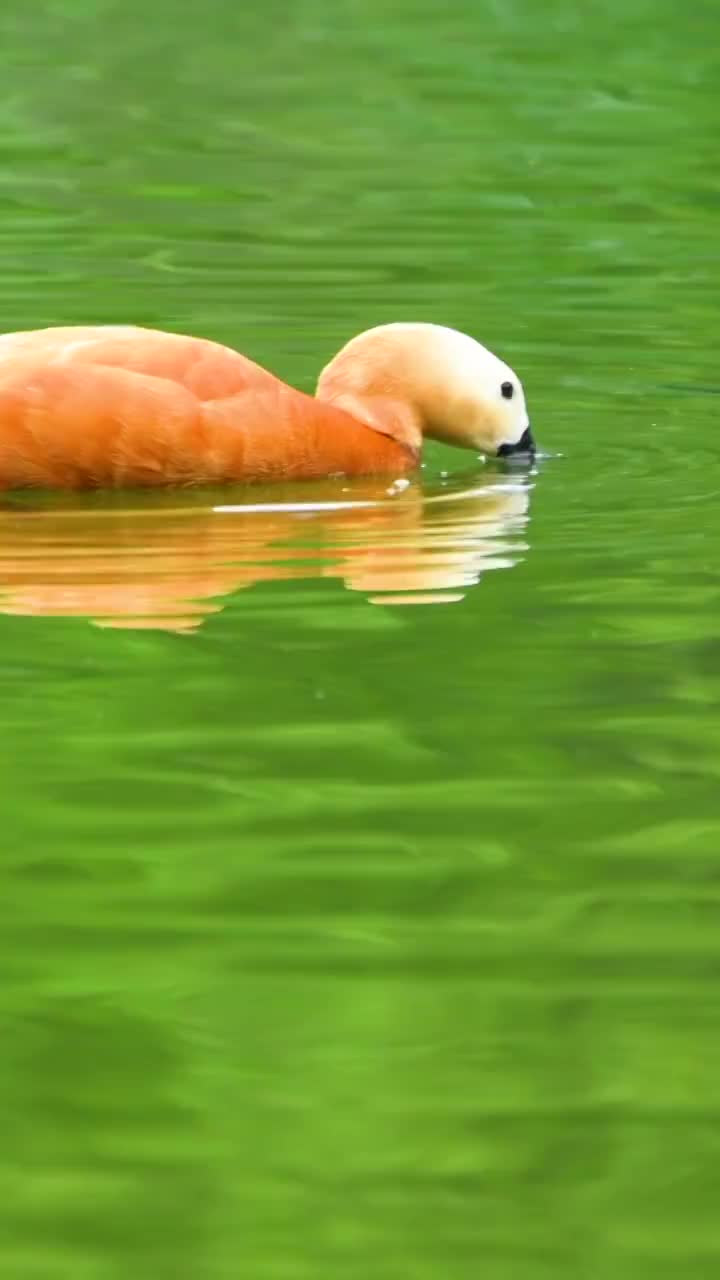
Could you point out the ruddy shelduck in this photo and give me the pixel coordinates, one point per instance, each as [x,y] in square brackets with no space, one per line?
[119,406]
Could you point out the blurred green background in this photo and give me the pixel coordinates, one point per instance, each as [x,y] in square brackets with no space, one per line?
[340,940]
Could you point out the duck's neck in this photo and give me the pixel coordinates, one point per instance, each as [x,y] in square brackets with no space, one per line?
[394,418]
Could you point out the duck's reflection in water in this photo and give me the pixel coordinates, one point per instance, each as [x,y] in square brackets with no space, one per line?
[166,563]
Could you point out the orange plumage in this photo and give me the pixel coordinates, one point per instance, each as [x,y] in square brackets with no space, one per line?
[96,407]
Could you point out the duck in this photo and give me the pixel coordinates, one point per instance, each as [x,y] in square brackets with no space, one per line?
[120,406]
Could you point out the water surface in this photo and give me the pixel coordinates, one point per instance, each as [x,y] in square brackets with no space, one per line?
[360,859]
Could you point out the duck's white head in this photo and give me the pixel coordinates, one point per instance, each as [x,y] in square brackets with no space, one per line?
[412,380]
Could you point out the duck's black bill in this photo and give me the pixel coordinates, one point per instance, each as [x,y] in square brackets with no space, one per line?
[526,444]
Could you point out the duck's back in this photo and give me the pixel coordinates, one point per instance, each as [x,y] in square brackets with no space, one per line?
[126,406]
[207,369]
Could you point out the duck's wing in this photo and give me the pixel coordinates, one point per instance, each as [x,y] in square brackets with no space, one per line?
[116,405]
[77,426]
[207,369]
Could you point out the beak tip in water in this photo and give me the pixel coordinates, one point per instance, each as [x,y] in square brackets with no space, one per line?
[525,445]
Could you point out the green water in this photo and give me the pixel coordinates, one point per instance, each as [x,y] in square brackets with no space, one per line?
[359,891]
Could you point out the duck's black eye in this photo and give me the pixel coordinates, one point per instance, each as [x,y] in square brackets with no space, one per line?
[507,390]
